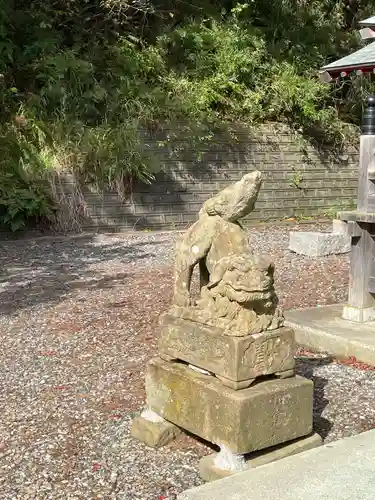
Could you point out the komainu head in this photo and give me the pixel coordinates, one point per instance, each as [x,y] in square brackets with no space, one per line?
[235,201]
[244,279]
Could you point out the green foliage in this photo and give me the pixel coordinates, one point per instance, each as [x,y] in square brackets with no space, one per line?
[23,195]
[85,84]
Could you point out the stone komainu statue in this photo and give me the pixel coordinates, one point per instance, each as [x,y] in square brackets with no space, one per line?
[237,288]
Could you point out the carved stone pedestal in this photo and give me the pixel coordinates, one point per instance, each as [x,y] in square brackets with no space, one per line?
[254,426]
[236,361]
[267,414]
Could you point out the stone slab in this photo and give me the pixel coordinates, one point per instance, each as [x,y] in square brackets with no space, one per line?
[154,434]
[314,244]
[234,358]
[358,314]
[324,329]
[209,472]
[357,216]
[267,414]
[340,227]
[344,470]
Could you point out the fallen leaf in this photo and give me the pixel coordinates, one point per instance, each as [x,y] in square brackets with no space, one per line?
[48,353]
[116,416]
[96,467]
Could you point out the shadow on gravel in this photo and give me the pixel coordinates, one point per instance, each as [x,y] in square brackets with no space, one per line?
[306,367]
[36,272]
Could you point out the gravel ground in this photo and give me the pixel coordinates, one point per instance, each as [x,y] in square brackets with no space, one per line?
[78,323]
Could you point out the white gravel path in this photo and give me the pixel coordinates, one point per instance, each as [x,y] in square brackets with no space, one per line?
[77,326]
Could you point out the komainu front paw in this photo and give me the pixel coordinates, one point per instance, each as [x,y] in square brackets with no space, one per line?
[182,299]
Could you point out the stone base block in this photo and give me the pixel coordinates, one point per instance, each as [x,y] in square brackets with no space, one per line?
[236,361]
[340,227]
[267,414]
[154,434]
[314,244]
[208,472]
[358,314]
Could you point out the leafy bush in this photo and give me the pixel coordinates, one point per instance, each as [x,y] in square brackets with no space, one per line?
[84,83]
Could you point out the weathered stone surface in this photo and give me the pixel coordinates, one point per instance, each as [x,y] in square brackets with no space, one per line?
[209,472]
[154,434]
[240,297]
[358,314]
[314,244]
[218,223]
[237,288]
[269,413]
[234,358]
[340,227]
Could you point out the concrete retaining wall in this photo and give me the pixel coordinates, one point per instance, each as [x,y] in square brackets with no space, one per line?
[296,183]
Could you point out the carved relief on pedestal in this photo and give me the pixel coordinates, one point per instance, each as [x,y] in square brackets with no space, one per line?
[269,355]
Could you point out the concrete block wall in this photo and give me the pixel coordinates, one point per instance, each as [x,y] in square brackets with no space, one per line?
[296,184]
